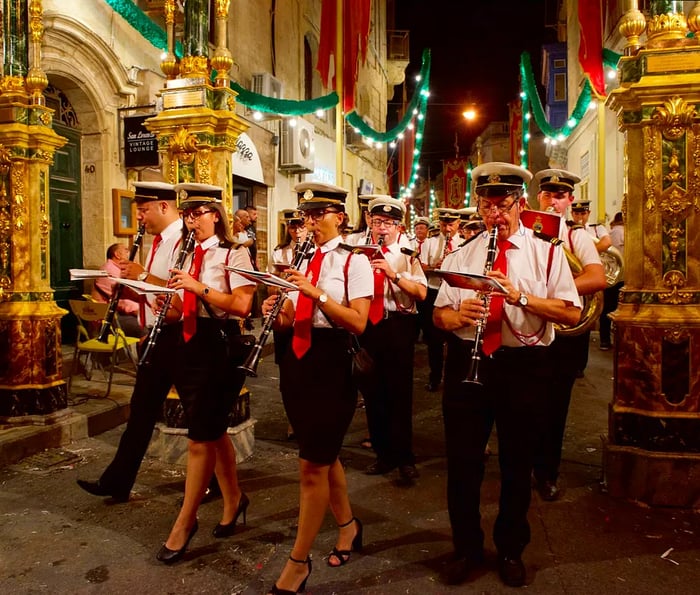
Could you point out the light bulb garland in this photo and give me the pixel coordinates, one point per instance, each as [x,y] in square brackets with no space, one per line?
[256,102]
[531,99]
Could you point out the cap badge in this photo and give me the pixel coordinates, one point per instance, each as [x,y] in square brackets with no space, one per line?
[494,179]
[538,225]
[386,208]
[554,179]
[308,195]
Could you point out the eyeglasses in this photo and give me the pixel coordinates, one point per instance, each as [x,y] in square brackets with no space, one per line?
[487,208]
[195,214]
[380,222]
[316,215]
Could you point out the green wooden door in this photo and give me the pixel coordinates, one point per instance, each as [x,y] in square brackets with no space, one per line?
[66,224]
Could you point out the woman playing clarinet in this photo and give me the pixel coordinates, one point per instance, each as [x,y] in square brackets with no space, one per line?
[214,302]
[333,300]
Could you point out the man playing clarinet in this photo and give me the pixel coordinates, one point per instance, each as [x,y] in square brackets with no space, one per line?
[506,336]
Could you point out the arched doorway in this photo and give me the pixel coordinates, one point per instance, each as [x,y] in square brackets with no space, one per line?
[66,237]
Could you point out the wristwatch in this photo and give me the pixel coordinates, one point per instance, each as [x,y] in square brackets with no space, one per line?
[205,291]
[142,276]
[398,278]
[323,298]
[522,300]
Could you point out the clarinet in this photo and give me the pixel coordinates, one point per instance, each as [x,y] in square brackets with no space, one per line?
[473,373]
[187,247]
[250,365]
[114,302]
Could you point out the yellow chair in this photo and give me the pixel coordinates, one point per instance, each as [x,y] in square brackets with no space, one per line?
[90,315]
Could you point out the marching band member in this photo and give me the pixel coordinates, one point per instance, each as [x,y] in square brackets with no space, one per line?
[432,254]
[214,302]
[569,353]
[333,300]
[420,228]
[362,234]
[514,367]
[156,208]
[390,340]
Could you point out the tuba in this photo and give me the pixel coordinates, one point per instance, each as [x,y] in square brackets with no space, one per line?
[612,263]
[592,304]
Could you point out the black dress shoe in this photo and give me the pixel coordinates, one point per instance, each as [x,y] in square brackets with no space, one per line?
[97,489]
[379,468]
[168,556]
[511,571]
[408,472]
[459,568]
[548,490]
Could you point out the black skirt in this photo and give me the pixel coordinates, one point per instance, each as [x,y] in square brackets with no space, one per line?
[207,379]
[318,394]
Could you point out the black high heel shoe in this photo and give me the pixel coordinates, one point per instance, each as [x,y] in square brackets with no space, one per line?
[343,556]
[229,529]
[168,556]
[302,587]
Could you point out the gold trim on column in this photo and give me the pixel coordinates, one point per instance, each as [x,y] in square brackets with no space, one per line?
[651,152]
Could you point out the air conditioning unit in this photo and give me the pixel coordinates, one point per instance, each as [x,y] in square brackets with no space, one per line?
[354,140]
[297,147]
[263,83]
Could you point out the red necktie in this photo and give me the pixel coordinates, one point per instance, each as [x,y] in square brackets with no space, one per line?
[143,301]
[449,246]
[492,334]
[189,302]
[376,307]
[301,341]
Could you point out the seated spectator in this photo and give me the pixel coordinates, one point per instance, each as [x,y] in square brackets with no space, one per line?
[102,291]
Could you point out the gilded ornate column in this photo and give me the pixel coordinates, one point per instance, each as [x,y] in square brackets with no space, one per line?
[652,453]
[31,381]
[198,127]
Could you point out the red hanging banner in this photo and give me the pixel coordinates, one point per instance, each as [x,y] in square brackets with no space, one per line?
[590,48]
[455,182]
[356,23]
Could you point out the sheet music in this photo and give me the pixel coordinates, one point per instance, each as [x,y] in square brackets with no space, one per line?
[78,274]
[262,277]
[471,281]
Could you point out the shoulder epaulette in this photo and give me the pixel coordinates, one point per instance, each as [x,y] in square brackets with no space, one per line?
[573,225]
[547,238]
[225,244]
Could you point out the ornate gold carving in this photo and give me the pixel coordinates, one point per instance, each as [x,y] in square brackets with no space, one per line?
[675,280]
[183,145]
[192,66]
[169,65]
[650,157]
[19,208]
[632,25]
[676,334]
[694,18]
[666,27]
[169,11]
[222,8]
[204,166]
[674,117]
[674,243]
[36,25]
[10,84]
[675,200]
[5,285]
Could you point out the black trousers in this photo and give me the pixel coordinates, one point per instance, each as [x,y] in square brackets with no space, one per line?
[388,390]
[153,382]
[511,396]
[611,295]
[434,337]
[557,395]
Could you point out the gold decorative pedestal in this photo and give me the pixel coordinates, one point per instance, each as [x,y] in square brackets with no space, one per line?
[197,133]
[31,380]
[652,452]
